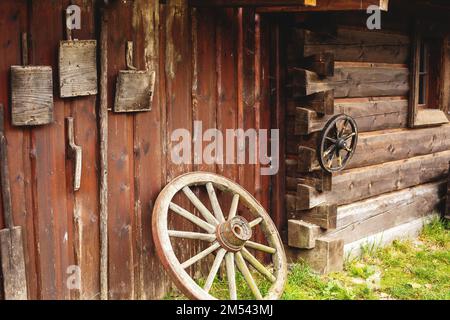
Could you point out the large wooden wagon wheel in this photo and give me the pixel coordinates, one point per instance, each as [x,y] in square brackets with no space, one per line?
[228,237]
[337,143]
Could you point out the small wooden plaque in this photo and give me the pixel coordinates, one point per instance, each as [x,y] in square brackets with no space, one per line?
[78,68]
[134,92]
[32,95]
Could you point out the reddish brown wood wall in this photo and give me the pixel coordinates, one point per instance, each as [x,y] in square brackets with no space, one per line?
[218,73]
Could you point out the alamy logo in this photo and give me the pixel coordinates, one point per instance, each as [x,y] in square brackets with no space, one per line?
[374,21]
[73,14]
[236,147]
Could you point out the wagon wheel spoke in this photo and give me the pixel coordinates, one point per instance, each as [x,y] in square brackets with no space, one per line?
[330,160]
[331,139]
[200,256]
[255,222]
[194,219]
[231,275]
[348,149]
[351,135]
[329,151]
[346,122]
[336,130]
[234,207]
[339,159]
[192,235]
[242,266]
[200,206]
[215,203]
[258,265]
[214,269]
[260,247]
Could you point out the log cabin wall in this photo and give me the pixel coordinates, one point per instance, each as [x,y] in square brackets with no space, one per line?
[397,175]
[212,66]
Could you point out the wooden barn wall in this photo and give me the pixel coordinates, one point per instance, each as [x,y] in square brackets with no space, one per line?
[397,174]
[218,74]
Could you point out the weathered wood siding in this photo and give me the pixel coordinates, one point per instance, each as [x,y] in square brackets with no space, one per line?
[396,174]
[211,65]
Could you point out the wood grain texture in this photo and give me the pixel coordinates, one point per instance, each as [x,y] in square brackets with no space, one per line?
[302,235]
[370,114]
[362,219]
[78,68]
[362,183]
[380,147]
[351,44]
[354,80]
[134,92]
[31,95]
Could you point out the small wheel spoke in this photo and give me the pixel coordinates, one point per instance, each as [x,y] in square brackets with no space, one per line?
[214,269]
[343,127]
[339,159]
[336,129]
[260,247]
[329,151]
[258,265]
[349,150]
[192,235]
[200,256]
[215,203]
[200,206]
[255,222]
[234,207]
[242,266]
[351,135]
[331,140]
[194,219]
[231,275]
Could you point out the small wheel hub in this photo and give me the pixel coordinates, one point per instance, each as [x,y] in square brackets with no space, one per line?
[233,234]
[341,144]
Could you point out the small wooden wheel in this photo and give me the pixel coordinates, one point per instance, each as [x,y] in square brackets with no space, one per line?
[229,238]
[337,143]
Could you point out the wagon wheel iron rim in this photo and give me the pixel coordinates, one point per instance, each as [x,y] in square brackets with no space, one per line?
[337,143]
[228,236]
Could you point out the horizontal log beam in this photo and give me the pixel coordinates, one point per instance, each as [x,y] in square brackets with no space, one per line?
[362,219]
[326,257]
[380,147]
[250,3]
[371,114]
[331,5]
[302,235]
[350,44]
[353,80]
[362,183]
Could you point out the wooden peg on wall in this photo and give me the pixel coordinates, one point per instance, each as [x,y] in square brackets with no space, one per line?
[75,153]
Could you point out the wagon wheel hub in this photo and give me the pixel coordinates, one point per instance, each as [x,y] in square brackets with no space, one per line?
[341,144]
[233,234]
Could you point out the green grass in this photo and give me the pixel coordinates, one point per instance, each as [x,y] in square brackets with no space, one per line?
[406,270]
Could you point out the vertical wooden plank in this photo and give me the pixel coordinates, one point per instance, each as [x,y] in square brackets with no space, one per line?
[49,176]
[226,69]
[178,67]
[247,54]
[151,281]
[120,164]
[85,209]
[277,75]
[14,19]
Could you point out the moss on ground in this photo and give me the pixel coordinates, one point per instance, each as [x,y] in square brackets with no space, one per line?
[418,269]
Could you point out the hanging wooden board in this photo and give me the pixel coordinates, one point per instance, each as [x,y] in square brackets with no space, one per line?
[78,68]
[134,91]
[32,95]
